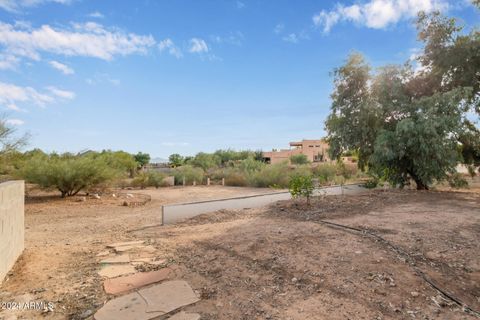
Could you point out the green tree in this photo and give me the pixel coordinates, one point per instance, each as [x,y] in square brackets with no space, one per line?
[205,161]
[399,133]
[301,186]
[142,159]
[67,173]
[299,159]
[122,161]
[175,160]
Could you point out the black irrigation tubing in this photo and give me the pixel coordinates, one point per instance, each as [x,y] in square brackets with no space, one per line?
[407,257]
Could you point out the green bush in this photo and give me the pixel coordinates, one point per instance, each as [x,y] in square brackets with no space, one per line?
[325,173]
[190,173]
[371,183]
[301,186]
[148,179]
[66,173]
[271,175]
[299,159]
[235,178]
[457,181]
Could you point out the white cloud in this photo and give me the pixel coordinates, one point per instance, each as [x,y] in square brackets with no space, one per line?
[240,5]
[292,37]
[62,67]
[89,40]
[14,122]
[376,14]
[16,5]
[97,15]
[279,28]
[234,38]
[8,61]
[198,45]
[12,95]
[168,45]
[102,78]
[64,94]
[14,107]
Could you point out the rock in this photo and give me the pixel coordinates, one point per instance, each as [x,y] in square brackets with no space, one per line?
[129,195]
[95,196]
[125,203]
[85,314]
[149,303]
[81,199]
[38,290]
[114,195]
[126,243]
[124,258]
[103,253]
[112,271]
[182,315]
[135,281]
[294,280]
[414,294]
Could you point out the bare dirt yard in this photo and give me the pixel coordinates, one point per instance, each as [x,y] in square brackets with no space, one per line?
[280,262]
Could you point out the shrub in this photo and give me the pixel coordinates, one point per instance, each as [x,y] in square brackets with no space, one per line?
[271,175]
[250,165]
[457,181]
[345,171]
[148,179]
[301,186]
[325,173]
[190,173]
[371,183]
[69,174]
[235,178]
[299,159]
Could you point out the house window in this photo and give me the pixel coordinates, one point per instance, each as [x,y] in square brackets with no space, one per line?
[310,146]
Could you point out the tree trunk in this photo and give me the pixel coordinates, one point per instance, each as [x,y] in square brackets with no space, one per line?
[418,182]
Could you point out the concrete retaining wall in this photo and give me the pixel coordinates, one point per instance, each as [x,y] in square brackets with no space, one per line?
[12,226]
[177,212]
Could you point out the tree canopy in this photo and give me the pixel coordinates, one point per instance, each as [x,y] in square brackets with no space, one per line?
[410,121]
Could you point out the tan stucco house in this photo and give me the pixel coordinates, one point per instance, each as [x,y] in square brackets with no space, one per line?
[315,150]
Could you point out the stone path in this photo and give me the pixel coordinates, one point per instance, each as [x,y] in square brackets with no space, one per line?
[143,295]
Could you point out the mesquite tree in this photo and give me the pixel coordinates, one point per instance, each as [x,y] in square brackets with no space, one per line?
[410,122]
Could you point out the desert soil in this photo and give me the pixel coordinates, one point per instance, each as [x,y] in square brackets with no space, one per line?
[278,262]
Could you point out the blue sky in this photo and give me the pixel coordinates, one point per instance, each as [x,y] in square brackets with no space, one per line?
[183,76]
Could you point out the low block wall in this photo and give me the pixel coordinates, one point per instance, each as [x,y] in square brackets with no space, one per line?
[177,212]
[12,224]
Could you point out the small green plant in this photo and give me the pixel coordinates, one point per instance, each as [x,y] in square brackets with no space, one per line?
[148,179]
[301,186]
[371,183]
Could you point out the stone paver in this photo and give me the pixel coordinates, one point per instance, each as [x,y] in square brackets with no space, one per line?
[128,307]
[168,296]
[124,258]
[185,316]
[127,243]
[149,303]
[112,271]
[135,281]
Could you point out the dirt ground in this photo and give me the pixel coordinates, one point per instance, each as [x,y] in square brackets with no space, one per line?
[274,263]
